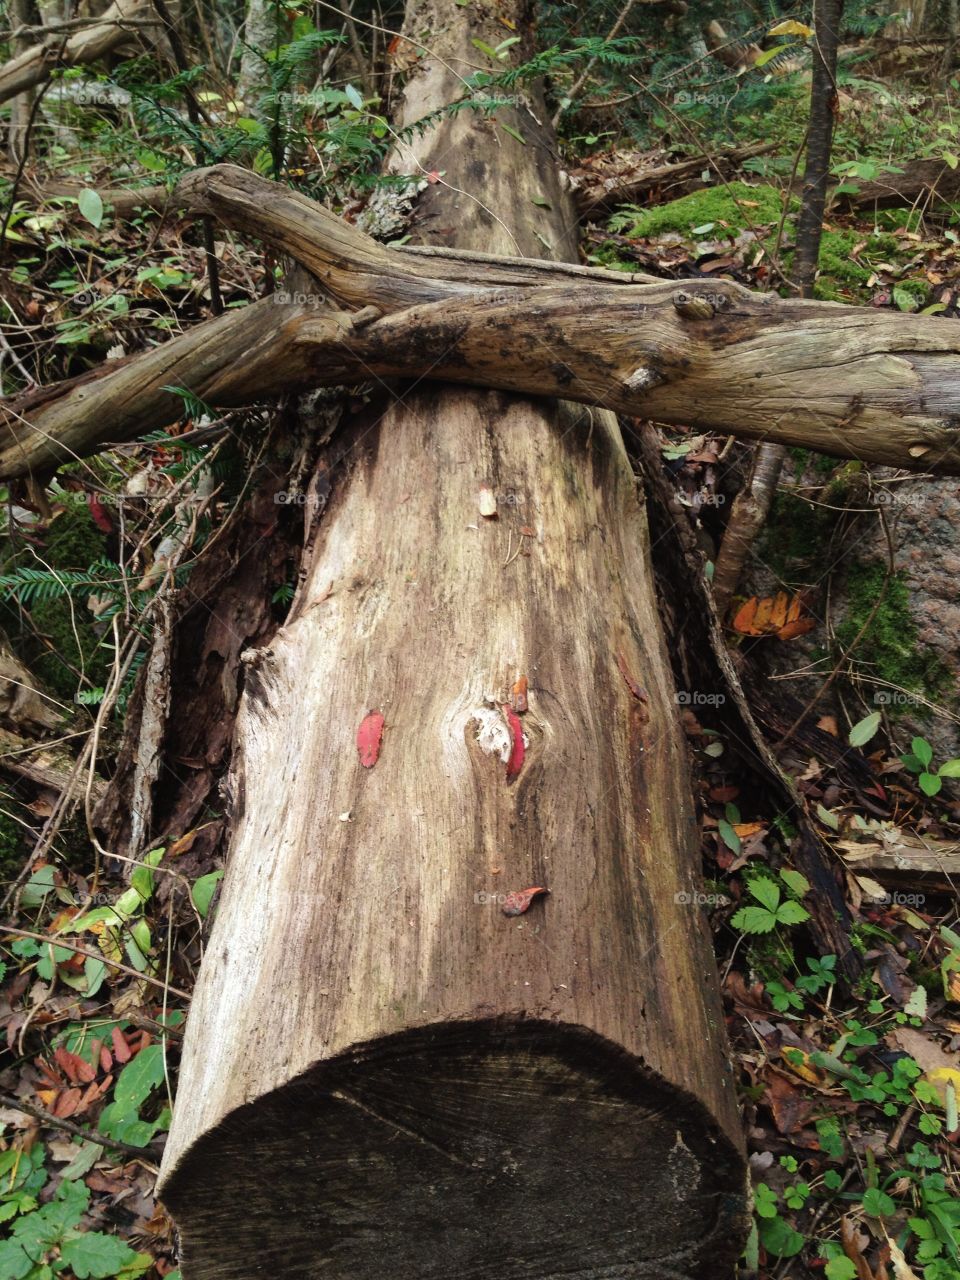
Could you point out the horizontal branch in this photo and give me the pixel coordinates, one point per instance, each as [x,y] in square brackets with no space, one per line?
[880,386]
[116,26]
[596,192]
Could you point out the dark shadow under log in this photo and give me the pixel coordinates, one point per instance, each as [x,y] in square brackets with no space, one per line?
[476,1149]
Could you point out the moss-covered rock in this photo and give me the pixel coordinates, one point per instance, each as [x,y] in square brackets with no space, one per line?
[890,647]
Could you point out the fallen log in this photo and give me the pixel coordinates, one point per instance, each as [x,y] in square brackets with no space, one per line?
[597,191]
[922,182]
[852,382]
[122,202]
[404,1056]
[905,861]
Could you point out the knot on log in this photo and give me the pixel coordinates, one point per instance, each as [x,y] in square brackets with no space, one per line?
[699,306]
[644,378]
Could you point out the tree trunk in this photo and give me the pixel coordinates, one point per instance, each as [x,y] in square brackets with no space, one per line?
[389,1066]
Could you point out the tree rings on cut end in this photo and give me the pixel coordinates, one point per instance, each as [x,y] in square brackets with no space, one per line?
[519,1150]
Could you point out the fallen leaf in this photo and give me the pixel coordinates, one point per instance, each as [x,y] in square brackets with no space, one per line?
[853,1242]
[184,844]
[789,1106]
[121,1050]
[518,696]
[942,1078]
[368,739]
[66,1104]
[901,1268]
[74,1067]
[773,616]
[99,515]
[515,904]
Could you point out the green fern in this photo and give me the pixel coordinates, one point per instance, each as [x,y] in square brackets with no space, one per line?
[28,586]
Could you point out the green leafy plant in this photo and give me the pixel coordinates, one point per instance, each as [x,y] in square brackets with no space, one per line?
[774,909]
[919,760]
[775,1233]
[46,1240]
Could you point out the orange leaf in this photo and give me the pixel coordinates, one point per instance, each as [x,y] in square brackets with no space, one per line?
[184,844]
[773,616]
[121,1050]
[744,620]
[518,696]
[794,629]
[762,618]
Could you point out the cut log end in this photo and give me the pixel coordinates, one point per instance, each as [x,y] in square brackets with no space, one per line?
[495,1148]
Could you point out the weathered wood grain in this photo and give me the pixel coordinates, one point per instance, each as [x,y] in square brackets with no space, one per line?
[383,1072]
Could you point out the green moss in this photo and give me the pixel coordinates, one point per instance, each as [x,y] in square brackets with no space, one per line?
[917,289]
[889,647]
[794,536]
[12,847]
[843,278]
[728,208]
[898,219]
[823,464]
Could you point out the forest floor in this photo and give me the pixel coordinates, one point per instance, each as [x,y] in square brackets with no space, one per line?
[849,1089]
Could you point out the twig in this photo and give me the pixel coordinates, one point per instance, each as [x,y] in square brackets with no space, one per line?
[54,1122]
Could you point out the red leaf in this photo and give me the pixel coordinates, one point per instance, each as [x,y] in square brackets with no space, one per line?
[517,750]
[121,1050]
[517,903]
[368,739]
[99,515]
[66,1104]
[74,1067]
